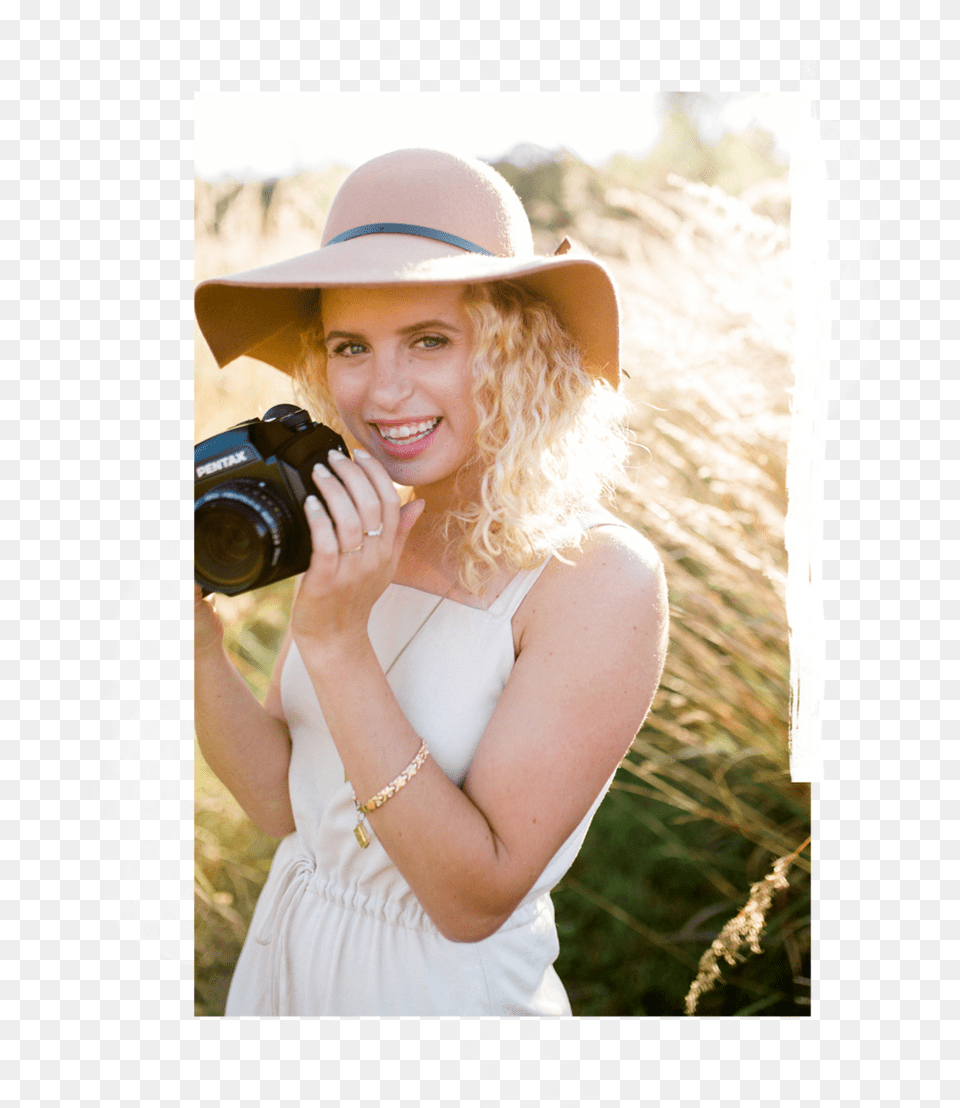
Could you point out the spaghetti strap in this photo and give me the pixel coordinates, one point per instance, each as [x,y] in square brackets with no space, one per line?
[600,517]
[516,589]
[523,582]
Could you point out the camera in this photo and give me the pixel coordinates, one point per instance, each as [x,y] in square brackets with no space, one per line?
[250,528]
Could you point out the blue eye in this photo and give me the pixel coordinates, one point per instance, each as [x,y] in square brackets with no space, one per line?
[348,348]
[431,342]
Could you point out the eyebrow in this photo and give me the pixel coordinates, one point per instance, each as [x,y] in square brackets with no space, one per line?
[423,325]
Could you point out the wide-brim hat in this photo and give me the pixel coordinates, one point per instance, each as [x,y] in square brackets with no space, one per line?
[411,217]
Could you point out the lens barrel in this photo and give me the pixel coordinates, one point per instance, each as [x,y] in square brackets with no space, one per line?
[239,532]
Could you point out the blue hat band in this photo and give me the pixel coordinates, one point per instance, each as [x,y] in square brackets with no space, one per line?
[409,229]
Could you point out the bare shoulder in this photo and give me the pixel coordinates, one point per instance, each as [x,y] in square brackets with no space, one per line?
[612,587]
[618,553]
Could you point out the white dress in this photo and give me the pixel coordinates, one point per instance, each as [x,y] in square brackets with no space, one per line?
[337,931]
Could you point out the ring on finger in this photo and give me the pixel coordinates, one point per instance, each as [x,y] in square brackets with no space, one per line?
[353,550]
[375,534]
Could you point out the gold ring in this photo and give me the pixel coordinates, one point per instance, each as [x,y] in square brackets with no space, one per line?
[355,550]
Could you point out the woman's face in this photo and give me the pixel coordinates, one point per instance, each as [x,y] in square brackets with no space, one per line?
[400,370]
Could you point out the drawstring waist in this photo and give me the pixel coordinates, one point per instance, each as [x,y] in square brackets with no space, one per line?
[300,874]
[282,937]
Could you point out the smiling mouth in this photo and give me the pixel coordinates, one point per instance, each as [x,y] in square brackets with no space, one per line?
[404,434]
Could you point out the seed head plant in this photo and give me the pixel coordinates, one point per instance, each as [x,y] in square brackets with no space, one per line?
[743,930]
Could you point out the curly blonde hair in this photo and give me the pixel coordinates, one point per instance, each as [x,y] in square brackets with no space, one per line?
[551,441]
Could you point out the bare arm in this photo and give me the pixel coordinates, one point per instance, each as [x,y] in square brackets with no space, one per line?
[247,746]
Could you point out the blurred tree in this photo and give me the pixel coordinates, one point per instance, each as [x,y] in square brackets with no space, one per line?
[695,143]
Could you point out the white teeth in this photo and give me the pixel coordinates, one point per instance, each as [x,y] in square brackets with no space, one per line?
[407,431]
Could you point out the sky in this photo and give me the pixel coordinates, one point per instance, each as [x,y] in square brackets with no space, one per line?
[256,136]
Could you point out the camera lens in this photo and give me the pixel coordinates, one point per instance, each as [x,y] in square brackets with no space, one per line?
[239,532]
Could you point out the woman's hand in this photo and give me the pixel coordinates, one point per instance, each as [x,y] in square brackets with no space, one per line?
[356,549]
[207,628]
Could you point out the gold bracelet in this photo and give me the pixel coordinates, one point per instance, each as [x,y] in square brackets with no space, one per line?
[384,795]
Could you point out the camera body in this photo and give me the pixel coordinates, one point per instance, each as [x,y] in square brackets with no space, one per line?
[251,481]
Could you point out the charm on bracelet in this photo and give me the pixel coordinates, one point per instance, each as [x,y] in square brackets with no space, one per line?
[384,795]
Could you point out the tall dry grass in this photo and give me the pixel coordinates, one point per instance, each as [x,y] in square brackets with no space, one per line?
[703,803]
[707,340]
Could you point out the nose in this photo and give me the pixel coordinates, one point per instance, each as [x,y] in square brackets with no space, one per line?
[391,383]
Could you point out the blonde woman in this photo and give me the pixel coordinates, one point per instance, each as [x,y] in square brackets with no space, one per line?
[463,671]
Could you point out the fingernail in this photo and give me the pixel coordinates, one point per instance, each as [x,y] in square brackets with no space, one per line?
[360,454]
[336,456]
[312,504]
[320,470]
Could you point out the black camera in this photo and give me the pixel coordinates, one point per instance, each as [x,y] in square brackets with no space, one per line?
[251,481]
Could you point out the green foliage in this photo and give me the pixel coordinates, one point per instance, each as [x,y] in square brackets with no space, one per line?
[733,163]
[648,893]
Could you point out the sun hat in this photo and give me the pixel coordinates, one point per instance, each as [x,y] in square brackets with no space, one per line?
[411,217]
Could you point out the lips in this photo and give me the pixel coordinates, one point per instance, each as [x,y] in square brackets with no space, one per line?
[408,438]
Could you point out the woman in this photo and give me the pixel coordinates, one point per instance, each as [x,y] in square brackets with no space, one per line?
[463,672]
